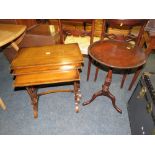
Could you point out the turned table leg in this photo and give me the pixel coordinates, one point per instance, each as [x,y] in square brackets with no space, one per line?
[78,95]
[34,98]
[105,92]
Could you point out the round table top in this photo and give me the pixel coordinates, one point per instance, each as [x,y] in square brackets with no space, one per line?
[116,54]
[9,32]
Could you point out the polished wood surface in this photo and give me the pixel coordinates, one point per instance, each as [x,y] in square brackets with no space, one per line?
[76,32]
[79,33]
[9,32]
[40,29]
[46,78]
[116,54]
[105,92]
[55,55]
[135,38]
[48,68]
[28,22]
[48,65]
[125,24]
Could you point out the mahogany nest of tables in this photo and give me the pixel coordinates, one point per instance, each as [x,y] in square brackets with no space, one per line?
[48,65]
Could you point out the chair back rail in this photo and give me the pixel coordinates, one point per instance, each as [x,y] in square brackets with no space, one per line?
[125,24]
[76,32]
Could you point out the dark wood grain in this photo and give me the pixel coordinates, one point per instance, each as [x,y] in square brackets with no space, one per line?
[38,66]
[124,24]
[115,54]
[78,32]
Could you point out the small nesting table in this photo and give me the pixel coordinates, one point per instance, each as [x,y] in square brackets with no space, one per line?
[48,65]
[118,55]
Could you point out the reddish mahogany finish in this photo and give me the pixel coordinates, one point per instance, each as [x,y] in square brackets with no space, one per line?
[115,54]
[150,41]
[76,32]
[123,24]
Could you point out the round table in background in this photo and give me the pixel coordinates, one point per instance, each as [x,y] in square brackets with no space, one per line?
[11,34]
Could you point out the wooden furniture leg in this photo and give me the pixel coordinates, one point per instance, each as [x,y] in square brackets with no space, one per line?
[149,49]
[135,78]
[89,68]
[96,74]
[105,92]
[34,98]
[78,95]
[15,43]
[123,80]
[2,104]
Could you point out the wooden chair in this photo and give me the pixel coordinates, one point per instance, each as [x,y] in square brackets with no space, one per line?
[69,33]
[135,39]
[76,31]
[149,36]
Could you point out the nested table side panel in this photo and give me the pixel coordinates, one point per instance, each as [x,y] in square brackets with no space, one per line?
[54,55]
[48,68]
[46,78]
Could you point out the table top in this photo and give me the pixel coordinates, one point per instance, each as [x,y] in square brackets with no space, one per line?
[117,54]
[47,64]
[9,32]
[54,55]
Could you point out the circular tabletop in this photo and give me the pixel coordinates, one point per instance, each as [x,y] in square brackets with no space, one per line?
[9,32]
[117,54]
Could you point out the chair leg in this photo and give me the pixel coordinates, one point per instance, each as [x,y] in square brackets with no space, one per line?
[89,68]
[123,80]
[96,74]
[135,78]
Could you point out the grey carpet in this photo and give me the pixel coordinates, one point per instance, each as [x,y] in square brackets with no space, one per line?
[56,111]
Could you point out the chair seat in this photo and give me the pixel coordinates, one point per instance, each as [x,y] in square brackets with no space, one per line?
[83,42]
